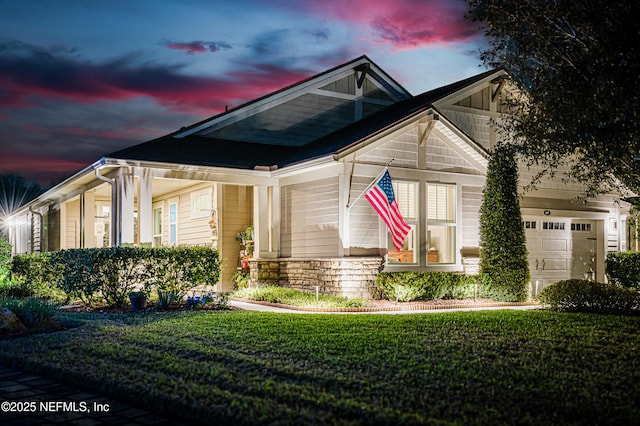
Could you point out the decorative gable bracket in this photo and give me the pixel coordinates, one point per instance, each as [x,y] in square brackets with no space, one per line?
[361,73]
[425,126]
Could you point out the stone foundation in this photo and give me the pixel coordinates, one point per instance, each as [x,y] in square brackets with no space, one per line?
[345,276]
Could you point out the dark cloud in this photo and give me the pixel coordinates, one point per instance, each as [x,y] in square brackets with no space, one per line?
[29,72]
[60,113]
[199,46]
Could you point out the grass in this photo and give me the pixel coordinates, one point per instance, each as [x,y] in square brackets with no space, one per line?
[468,368]
[289,296]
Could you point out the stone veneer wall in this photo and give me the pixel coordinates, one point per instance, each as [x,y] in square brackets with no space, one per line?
[346,276]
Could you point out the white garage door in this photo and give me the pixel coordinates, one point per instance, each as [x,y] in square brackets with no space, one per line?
[559,249]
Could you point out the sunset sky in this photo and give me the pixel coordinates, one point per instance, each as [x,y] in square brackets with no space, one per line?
[80,79]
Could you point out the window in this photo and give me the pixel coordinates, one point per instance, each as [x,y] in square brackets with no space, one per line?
[406,194]
[173,223]
[553,226]
[441,223]
[529,224]
[157,227]
[582,227]
[201,204]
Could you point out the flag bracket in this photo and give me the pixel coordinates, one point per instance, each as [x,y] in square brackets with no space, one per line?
[349,205]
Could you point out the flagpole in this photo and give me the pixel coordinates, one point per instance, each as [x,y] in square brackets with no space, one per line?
[370,185]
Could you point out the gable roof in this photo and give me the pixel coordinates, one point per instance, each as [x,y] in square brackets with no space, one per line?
[188,146]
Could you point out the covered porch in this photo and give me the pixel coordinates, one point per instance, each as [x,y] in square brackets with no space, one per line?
[119,204]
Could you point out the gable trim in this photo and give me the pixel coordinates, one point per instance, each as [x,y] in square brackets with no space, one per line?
[291,91]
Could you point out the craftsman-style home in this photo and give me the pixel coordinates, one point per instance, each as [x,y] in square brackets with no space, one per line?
[291,167]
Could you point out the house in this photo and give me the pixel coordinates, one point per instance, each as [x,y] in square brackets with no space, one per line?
[292,165]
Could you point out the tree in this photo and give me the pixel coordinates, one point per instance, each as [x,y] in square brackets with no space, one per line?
[503,250]
[578,63]
[15,191]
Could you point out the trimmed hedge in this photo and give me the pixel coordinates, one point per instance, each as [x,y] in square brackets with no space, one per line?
[590,296]
[624,269]
[110,274]
[410,286]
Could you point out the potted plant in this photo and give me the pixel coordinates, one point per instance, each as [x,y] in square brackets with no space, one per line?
[138,300]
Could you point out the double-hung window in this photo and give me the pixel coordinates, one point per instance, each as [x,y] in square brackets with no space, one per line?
[406,194]
[441,223]
[157,226]
[173,223]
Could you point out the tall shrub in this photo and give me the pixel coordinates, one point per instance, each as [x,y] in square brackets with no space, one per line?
[623,268]
[503,250]
[5,260]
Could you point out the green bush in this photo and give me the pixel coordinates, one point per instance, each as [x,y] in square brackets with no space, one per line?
[589,296]
[410,286]
[30,310]
[624,268]
[37,275]
[5,260]
[110,274]
[176,270]
[289,296]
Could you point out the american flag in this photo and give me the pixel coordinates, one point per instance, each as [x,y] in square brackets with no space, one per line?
[383,200]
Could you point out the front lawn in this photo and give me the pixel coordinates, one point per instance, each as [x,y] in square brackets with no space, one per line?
[487,368]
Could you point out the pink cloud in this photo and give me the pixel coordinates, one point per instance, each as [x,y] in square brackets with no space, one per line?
[43,75]
[402,23]
[199,46]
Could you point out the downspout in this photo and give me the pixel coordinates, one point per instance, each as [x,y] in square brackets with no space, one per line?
[114,206]
[33,229]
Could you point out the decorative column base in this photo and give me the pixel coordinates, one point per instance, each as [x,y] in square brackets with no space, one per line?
[347,276]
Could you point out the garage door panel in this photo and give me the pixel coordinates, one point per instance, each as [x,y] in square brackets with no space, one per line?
[534,244]
[554,264]
[554,245]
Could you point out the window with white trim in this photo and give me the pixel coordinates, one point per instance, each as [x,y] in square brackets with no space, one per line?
[201,204]
[553,226]
[173,223]
[406,194]
[441,223]
[157,226]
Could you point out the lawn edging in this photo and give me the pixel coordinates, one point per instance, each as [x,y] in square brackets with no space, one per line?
[424,306]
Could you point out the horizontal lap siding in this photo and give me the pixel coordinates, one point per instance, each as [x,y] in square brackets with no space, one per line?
[364,224]
[475,125]
[310,219]
[72,224]
[441,157]
[403,149]
[237,214]
[191,231]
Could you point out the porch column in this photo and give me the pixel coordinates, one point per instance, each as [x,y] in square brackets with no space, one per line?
[601,249]
[265,238]
[344,219]
[145,208]
[126,197]
[88,213]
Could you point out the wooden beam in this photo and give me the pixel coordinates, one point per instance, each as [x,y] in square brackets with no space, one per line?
[363,69]
[425,126]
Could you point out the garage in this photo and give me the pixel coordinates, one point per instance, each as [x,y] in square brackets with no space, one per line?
[559,249]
